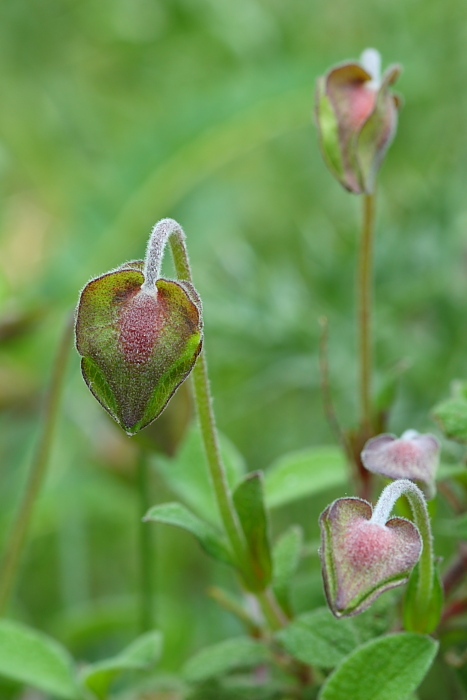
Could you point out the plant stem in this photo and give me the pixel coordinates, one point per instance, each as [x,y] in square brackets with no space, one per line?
[272,611]
[170,231]
[206,417]
[364,309]
[226,601]
[417,502]
[216,466]
[16,540]
[146,548]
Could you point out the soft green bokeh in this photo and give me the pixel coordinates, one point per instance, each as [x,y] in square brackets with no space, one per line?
[120,112]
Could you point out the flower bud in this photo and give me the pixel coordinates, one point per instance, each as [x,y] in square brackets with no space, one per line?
[356,115]
[139,338]
[412,456]
[362,558]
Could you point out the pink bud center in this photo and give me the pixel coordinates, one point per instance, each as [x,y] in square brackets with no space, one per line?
[404,453]
[361,103]
[140,321]
[367,543]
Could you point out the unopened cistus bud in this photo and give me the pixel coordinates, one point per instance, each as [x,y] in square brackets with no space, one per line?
[356,115]
[139,336]
[413,456]
[362,557]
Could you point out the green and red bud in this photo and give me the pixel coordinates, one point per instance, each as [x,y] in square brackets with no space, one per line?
[362,557]
[139,336]
[356,115]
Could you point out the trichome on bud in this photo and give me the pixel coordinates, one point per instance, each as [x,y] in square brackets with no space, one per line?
[362,557]
[413,456]
[139,335]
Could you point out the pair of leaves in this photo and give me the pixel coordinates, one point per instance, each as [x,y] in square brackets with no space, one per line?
[188,477]
[253,520]
[388,668]
[294,476]
[34,659]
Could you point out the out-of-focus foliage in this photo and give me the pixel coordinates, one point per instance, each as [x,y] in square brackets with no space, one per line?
[119,112]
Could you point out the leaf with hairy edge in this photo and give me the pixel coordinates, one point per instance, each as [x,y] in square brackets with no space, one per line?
[304,473]
[249,504]
[390,668]
[319,639]
[36,660]
[209,538]
[227,656]
[142,654]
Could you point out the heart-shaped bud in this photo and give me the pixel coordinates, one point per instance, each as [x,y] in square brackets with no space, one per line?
[356,115]
[412,456]
[138,340]
[361,558]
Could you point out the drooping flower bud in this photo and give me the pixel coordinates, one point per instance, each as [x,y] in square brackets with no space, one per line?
[356,115]
[412,456]
[139,335]
[361,557]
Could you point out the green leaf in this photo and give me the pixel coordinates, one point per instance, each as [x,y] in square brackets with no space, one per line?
[237,688]
[209,538]
[35,659]
[187,474]
[142,654]
[378,619]
[451,414]
[389,668]
[227,656]
[414,619]
[319,639]
[249,504]
[286,558]
[304,473]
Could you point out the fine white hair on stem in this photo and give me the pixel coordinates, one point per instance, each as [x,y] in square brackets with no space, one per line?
[160,234]
[389,496]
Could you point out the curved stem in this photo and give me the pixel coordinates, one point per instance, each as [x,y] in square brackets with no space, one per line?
[169,230]
[364,308]
[15,542]
[417,502]
[174,233]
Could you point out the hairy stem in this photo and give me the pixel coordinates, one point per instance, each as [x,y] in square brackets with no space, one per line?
[364,309]
[17,536]
[417,502]
[146,548]
[170,231]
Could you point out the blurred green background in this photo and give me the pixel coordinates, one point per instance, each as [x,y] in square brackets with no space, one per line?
[120,112]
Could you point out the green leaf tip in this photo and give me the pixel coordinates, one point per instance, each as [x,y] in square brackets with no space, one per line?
[138,335]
